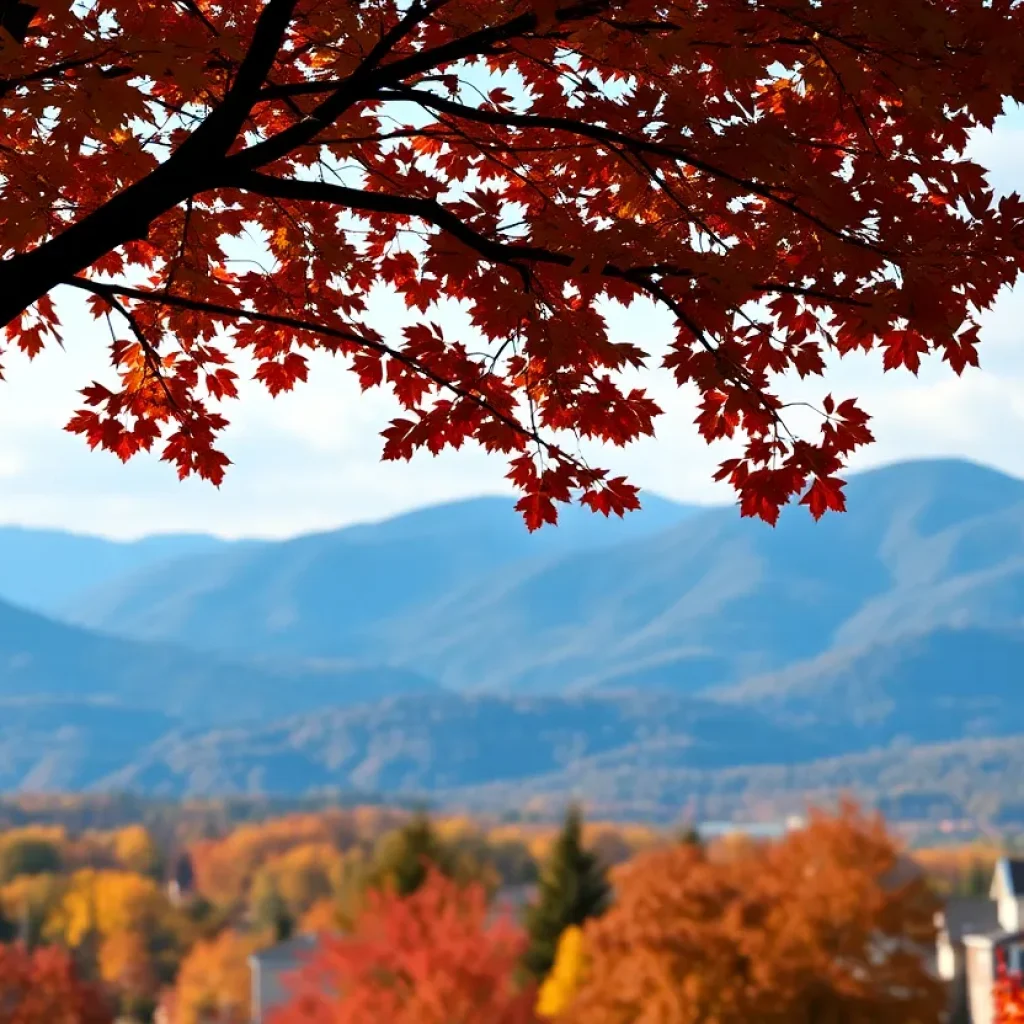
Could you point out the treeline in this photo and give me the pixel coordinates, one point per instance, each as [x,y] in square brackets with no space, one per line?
[157,920]
[167,910]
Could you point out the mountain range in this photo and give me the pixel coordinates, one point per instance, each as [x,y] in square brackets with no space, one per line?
[682,653]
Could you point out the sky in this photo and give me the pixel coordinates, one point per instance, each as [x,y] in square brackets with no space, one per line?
[310,460]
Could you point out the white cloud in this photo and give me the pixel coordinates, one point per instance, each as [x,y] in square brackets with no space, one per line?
[310,459]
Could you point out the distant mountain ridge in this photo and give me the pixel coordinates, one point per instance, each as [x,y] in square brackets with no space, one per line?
[447,651]
[45,660]
[685,599]
[323,595]
[44,570]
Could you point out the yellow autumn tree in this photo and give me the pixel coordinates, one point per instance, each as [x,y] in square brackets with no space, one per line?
[303,875]
[560,986]
[124,925]
[29,900]
[135,850]
[214,981]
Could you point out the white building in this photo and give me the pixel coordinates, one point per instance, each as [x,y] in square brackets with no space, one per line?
[973,933]
[269,971]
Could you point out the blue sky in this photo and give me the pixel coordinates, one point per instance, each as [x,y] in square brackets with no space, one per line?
[310,460]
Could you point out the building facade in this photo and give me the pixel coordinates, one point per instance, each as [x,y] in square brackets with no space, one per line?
[973,934]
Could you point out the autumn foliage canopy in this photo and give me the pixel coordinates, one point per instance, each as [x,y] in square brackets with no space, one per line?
[430,957]
[827,924]
[42,987]
[230,182]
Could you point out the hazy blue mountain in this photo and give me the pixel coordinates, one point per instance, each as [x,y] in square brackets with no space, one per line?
[48,745]
[691,648]
[717,599]
[972,779]
[46,569]
[945,687]
[322,595]
[678,598]
[42,658]
[924,688]
[418,744]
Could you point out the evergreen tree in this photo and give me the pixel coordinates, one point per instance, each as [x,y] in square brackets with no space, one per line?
[403,857]
[573,887]
[978,880]
[8,929]
[269,909]
[689,836]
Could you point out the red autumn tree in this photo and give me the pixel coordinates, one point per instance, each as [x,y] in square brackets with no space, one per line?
[41,987]
[1008,997]
[783,179]
[431,957]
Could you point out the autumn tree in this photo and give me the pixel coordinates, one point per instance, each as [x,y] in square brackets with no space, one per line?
[227,184]
[827,924]
[214,980]
[29,901]
[121,925]
[42,987]
[28,852]
[225,867]
[430,957]
[135,850]
[300,878]
[572,888]
[559,988]
[1008,994]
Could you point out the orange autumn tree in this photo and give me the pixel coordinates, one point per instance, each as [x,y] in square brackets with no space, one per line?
[432,957]
[42,987]
[827,924]
[228,182]
[214,982]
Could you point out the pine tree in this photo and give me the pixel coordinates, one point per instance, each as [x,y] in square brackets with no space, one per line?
[573,887]
[978,880]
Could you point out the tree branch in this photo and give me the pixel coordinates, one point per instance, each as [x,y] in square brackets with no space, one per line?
[609,136]
[365,83]
[111,291]
[508,254]
[27,277]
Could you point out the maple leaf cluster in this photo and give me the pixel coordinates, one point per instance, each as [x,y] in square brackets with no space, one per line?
[786,179]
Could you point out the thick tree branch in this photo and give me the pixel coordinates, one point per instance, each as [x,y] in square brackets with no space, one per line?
[27,277]
[366,82]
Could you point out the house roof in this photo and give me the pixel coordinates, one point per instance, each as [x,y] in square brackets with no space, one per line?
[1009,878]
[969,915]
